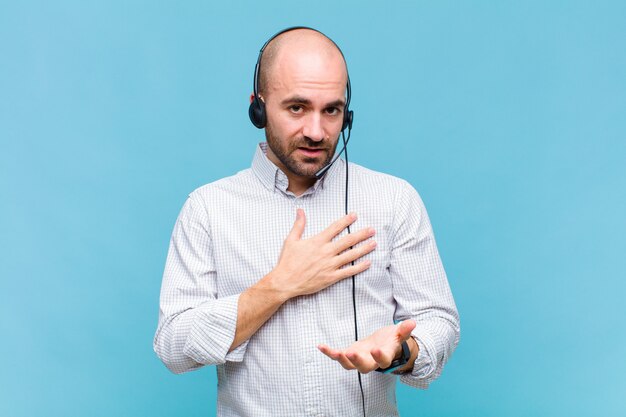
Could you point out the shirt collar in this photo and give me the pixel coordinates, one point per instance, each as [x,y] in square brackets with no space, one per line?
[273,178]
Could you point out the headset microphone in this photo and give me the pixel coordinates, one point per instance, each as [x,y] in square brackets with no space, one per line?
[319,174]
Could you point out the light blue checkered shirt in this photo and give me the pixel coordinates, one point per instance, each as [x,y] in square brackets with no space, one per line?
[230,233]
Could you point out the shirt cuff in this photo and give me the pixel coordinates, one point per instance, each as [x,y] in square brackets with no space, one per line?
[423,366]
[425,363]
[213,331]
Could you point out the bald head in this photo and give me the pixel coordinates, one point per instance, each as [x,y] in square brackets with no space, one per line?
[298,46]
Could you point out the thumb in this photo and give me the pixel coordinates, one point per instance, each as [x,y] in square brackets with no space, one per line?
[298,226]
[405,328]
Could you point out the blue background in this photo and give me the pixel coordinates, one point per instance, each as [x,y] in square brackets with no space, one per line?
[508,118]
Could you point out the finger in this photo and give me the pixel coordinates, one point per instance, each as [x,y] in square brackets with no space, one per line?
[330,352]
[405,328]
[351,270]
[352,239]
[326,350]
[345,362]
[354,254]
[382,358]
[336,355]
[360,362]
[337,227]
[298,226]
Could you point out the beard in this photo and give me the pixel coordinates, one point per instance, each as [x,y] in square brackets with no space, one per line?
[285,149]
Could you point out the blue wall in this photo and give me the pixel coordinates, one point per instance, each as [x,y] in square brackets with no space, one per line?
[508,118]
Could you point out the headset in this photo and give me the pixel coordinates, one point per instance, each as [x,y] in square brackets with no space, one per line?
[258,117]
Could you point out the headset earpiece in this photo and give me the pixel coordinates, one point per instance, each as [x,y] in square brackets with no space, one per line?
[257,113]
[347,120]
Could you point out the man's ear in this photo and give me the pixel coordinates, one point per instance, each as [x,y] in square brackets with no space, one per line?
[251,98]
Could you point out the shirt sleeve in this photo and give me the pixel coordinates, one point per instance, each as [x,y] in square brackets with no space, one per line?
[421,289]
[195,327]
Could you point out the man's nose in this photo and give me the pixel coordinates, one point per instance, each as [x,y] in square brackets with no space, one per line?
[313,128]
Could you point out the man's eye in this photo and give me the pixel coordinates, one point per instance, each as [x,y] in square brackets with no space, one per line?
[295,108]
[332,111]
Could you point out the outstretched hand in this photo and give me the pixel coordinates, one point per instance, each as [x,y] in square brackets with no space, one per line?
[377,350]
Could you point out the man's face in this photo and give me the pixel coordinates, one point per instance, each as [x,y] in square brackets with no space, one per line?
[305,105]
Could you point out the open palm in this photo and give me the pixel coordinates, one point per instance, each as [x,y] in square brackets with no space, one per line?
[377,350]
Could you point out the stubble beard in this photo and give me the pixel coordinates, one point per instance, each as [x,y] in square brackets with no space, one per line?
[306,167]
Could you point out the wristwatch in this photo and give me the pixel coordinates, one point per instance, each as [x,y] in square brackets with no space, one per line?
[397,363]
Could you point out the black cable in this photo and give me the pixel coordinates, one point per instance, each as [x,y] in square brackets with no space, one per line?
[356,327]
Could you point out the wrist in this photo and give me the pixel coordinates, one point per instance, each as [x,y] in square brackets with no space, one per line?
[414,348]
[269,287]
[399,362]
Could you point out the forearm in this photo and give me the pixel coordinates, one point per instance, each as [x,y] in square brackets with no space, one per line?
[256,305]
[208,333]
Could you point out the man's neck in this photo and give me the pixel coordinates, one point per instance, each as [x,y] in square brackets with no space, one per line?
[298,185]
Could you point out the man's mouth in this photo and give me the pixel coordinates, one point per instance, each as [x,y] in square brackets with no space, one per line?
[311,152]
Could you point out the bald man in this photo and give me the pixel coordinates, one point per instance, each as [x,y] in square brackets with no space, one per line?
[265,297]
